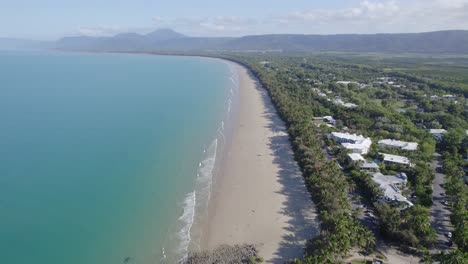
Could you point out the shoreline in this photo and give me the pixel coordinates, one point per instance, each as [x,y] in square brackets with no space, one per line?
[258,193]
[258,196]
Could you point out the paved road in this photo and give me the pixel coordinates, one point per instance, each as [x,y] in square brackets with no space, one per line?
[440,214]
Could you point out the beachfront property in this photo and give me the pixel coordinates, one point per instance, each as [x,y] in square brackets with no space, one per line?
[391,143]
[391,186]
[438,134]
[355,143]
[395,159]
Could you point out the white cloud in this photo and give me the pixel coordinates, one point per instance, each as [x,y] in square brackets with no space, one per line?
[367,16]
[214,26]
[372,16]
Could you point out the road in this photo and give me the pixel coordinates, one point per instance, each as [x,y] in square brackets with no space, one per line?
[440,214]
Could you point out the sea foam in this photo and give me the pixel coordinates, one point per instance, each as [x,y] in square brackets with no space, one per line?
[196,202]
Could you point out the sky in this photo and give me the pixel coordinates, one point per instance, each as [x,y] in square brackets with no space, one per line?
[52,19]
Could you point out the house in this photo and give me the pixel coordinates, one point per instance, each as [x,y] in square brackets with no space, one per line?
[391,143]
[354,143]
[369,166]
[391,187]
[356,157]
[400,179]
[346,82]
[449,97]
[346,137]
[330,120]
[342,103]
[438,134]
[361,147]
[395,159]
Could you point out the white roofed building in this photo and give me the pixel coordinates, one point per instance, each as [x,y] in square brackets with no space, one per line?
[391,143]
[369,166]
[346,82]
[342,103]
[346,137]
[356,157]
[329,119]
[354,143]
[437,133]
[391,185]
[395,159]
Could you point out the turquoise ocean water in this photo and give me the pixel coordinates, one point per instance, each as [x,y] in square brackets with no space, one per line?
[105,158]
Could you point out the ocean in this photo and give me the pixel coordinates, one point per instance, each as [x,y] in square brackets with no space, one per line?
[107,158]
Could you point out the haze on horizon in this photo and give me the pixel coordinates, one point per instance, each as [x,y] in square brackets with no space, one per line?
[52,19]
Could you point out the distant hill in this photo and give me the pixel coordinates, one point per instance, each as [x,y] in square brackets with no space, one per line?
[452,41]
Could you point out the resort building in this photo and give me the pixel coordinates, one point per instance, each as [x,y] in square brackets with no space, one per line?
[391,187]
[354,143]
[369,166]
[438,134]
[346,82]
[395,159]
[356,157]
[391,143]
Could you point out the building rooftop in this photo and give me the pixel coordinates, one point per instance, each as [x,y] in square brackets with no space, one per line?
[346,82]
[329,119]
[360,146]
[342,103]
[348,136]
[388,185]
[399,179]
[353,142]
[437,131]
[398,144]
[356,157]
[369,165]
[395,159]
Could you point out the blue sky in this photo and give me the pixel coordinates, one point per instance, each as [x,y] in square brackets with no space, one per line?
[49,19]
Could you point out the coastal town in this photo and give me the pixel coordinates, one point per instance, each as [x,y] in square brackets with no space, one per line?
[234,132]
[399,142]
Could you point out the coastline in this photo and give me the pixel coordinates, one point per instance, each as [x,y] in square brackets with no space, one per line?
[258,195]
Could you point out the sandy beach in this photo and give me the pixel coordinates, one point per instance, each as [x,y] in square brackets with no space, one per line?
[259,196]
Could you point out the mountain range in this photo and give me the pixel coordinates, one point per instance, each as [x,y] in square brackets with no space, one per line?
[167,40]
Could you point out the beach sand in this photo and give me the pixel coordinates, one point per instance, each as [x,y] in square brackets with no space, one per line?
[259,196]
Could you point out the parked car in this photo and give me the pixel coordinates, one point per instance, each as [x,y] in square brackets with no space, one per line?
[449,234]
[445,202]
